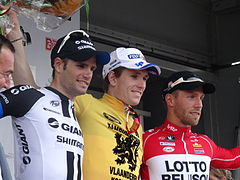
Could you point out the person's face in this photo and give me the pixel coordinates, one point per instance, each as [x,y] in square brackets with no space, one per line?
[129,87]
[187,106]
[6,67]
[75,77]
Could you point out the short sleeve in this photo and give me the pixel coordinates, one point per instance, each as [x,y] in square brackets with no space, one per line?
[18,100]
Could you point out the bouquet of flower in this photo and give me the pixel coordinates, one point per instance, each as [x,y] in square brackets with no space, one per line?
[47,14]
[60,8]
[5,24]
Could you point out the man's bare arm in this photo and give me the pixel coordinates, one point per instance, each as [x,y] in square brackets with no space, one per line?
[22,72]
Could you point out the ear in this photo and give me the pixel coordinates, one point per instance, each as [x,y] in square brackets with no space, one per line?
[169,98]
[112,78]
[57,64]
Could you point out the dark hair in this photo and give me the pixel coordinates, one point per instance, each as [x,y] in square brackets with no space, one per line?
[65,61]
[118,71]
[4,42]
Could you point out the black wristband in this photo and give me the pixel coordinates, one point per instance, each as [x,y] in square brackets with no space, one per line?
[15,40]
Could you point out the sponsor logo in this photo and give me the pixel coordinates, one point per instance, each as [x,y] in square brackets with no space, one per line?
[69,141]
[170,138]
[49,43]
[168,149]
[197,145]
[161,138]
[18,89]
[134,56]
[53,123]
[71,129]
[86,47]
[22,140]
[199,151]
[194,140]
[5,98]
[167,144]
[191,170]
[171,128]
[117,128]
[122,173]
[185,166]
[111,118]
[55,103]
[84,41]
[139,64]
[66,127]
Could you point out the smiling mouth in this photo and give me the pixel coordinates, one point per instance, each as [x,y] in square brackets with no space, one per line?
[83,82]
[137,92]
[196,113]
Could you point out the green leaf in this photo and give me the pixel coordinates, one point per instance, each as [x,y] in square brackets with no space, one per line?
[87,12]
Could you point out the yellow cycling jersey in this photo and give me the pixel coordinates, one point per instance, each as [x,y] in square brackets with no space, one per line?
[110,152]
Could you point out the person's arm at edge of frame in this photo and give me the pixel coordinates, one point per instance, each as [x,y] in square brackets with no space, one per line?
[22,73]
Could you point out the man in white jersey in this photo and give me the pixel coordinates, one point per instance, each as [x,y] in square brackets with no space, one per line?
[48,139]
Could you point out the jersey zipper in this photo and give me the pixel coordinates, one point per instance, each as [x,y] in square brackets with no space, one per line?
[184,143]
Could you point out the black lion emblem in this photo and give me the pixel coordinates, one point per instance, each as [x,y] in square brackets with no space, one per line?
[127,150]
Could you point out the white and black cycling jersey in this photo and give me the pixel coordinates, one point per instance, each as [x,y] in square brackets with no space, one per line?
[48,139]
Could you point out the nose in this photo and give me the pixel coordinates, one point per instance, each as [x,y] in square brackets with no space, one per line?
[199,103]
[6,84]
[142,84]
[88,73]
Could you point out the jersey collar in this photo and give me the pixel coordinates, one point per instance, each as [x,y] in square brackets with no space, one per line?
[173,128]
[113,102]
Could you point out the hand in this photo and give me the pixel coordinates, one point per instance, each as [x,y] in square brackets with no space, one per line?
[15,32]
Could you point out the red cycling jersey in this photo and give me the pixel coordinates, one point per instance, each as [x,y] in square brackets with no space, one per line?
[175,153]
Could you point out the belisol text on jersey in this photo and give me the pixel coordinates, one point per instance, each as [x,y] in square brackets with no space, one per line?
[184,177]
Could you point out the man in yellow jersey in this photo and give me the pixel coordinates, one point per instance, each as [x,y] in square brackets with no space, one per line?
[111,128]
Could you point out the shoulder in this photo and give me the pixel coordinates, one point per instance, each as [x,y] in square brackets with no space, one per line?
[84,97]
[151,132]
[19,92]
[83,102]
[17,100]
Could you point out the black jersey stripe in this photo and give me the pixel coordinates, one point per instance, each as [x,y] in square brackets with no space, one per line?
[65,109]
[70,165]
[79,168]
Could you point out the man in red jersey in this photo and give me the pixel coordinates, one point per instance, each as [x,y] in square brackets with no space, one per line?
[172,151]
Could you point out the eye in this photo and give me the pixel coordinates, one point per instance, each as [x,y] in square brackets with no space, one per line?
[191,96]
[81,66]
[146,78]
[134,76]
[93,68]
